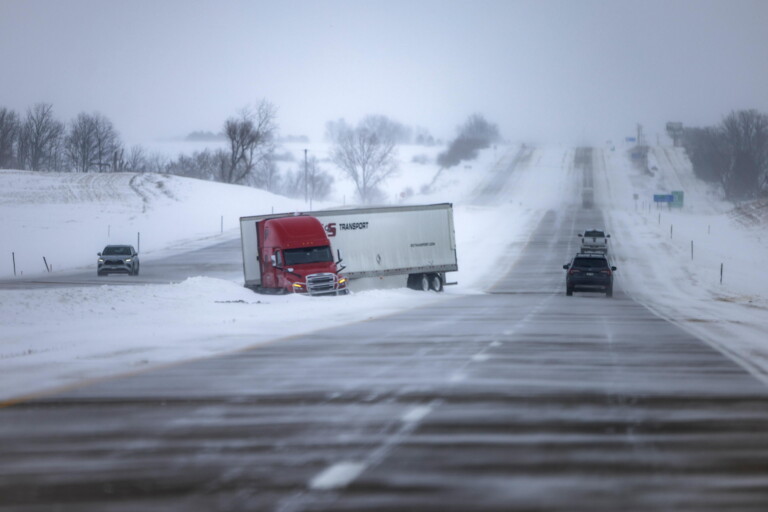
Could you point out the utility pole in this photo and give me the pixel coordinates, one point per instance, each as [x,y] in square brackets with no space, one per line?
[305,176]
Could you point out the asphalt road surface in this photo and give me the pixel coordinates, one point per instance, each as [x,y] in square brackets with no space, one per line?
[218,260]
[518,399]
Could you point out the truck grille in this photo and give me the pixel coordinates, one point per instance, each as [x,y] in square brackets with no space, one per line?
[318,284]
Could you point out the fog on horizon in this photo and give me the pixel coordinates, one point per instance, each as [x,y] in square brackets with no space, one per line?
[544,71]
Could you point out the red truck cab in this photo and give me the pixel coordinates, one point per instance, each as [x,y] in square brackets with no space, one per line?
[295,256]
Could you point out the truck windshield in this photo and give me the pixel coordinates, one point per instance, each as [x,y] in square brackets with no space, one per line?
[308,255]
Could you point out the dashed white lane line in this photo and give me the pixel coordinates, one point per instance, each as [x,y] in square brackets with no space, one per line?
[337,476]
[343,473]
[416,414]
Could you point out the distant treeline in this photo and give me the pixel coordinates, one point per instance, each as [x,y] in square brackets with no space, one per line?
[734,153]
[38,141]
[364,153]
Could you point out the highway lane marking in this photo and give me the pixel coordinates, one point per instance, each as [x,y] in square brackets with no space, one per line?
[343,473]
[416,414]
[337,476]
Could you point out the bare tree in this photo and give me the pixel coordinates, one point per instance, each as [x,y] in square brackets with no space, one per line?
[107,142]
[267,176]
[251,144]
[746,135]
[475,134]
[40,139]
[80,143]
[204,165]
[423,137]
[365,157]
[156,162]
[9,133]
[334,129]
[92,144]
[708,152]
[318,181]
[735,153]
[388,128]
[136,161]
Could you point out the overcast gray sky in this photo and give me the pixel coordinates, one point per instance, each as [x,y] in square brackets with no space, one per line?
[544,71]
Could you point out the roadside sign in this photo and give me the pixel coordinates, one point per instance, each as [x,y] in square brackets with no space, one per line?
[663,198]
[677,198]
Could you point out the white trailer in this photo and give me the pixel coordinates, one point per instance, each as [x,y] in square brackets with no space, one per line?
[416,242]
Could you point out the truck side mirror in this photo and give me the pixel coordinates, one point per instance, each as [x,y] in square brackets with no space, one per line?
[565,267]
[607,236]
[580,235]
[273,259]
[613,268]
[338,256]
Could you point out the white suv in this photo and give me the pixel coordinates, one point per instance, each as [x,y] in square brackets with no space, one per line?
[118,258]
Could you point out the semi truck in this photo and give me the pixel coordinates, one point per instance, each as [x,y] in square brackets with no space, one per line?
[416,243]
[289,254]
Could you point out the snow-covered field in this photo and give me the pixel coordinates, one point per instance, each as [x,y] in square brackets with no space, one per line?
[671,259]
[59,337]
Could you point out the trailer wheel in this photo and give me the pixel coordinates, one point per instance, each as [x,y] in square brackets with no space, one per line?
[435,282]
[419,282]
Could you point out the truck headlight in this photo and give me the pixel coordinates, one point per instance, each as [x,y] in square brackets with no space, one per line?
[128,260]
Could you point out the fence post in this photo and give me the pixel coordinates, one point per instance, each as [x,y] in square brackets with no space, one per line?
[138,241]
[222,225]
[46,265]
[721,273]
[13,255]
[691,250]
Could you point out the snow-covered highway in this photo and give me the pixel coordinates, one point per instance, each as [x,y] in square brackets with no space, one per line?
[501,394]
